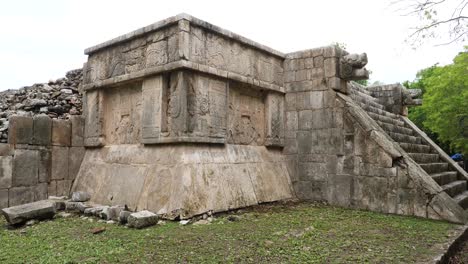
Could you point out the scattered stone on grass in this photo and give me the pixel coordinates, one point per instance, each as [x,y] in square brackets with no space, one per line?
[22,213]
[98,230]
[184,222]
[123,216]
[202,222]
[80,197]
[142,219]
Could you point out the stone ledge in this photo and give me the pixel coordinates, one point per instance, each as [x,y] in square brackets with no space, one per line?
[177,65]
[175,19]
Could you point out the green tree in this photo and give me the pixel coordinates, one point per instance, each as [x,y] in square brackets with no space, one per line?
[444,113]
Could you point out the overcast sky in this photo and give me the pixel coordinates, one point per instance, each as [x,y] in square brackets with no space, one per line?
[41,40]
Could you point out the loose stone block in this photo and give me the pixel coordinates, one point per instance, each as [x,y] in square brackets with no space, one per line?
[123,216]
[76,206]
[59,169]
[25,167]
[42,134]
[20,130]
[38,210]
[80,197]
[76,155]
[142,219]
[61,132]
[3,198]
[6,163]
[77,131]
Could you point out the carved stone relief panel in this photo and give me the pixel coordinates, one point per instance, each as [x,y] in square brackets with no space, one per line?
[274,119]
[93,112]
[122,114]
[217,51]
[246,115]
[152,50]
[207,98]
[154,122]
[184,107]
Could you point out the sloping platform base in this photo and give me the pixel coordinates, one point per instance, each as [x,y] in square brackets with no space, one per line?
[183,181]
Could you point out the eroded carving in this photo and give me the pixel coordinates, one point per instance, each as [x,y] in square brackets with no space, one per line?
[246,115]
[352,67]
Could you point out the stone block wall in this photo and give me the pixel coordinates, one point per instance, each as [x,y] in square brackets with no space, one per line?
[314,138]
[42,158]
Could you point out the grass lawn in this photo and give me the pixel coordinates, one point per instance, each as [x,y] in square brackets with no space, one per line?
[293,233]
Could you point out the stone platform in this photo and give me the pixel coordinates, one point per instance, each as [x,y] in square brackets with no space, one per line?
[183,117]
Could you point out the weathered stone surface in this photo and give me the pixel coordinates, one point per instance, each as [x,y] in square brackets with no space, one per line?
[63,187]
[21,195]
[6,149]
[25,167]
[59,167]
[42,134]
[77,131]
[45,165]
[123,216]
[80,197]
[22,213]
[61,132]
[3,198]
[76,206]
[6,164]
[142,219]
[20,130]
[75,157]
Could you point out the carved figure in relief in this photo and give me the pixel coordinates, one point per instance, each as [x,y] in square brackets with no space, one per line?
[156,54]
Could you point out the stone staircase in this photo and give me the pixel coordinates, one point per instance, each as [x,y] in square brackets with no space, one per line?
[417,147]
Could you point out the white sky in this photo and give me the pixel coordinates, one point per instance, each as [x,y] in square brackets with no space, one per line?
[41,40]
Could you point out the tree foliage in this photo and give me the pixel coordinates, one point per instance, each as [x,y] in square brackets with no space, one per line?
[444,113]
[439,19]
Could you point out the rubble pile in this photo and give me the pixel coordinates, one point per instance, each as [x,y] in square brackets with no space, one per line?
[58,99]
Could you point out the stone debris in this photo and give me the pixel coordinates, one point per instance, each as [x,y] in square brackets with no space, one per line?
[64,214]
[59,98]
[123,216]
[22,213]
[142,219]
[32,222]
[184,222]
[80,197]
[98,230]
[202,222]
[76,206]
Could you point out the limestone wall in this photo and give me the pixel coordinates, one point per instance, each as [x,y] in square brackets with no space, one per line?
[42,158]
[338,154]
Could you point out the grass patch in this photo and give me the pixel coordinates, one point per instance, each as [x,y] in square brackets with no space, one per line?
[270,233]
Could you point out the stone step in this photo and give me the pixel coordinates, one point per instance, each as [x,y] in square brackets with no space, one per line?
[424,157]
[363,101]
[357,88]
[386,119]
[462,199]
[415,148]
[365,98]
[381,112]
[445,177]
[455,188]
[393,128]
[402,138]
[432,168]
